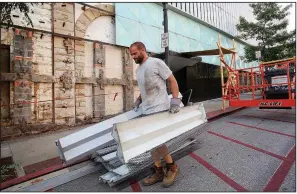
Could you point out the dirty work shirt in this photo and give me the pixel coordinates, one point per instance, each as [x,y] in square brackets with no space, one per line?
[151,77]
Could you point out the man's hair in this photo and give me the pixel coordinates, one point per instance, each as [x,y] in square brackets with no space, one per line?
[139,45]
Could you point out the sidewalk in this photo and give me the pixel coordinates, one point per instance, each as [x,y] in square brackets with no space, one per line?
[38,153]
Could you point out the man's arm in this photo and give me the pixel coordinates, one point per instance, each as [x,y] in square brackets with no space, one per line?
[137,103]
[139,98]
[173,86]
[175,101]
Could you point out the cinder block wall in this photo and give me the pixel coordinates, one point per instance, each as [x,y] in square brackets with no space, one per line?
[58,75]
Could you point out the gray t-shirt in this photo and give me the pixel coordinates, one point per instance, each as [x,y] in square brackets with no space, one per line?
[151,77]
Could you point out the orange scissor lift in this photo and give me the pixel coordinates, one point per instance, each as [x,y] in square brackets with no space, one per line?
[270,85]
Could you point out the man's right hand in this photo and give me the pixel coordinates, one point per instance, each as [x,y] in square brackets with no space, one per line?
[136,105]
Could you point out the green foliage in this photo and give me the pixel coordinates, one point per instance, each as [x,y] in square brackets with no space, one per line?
[7,8]
[5,169]
[275,42]
[218,72]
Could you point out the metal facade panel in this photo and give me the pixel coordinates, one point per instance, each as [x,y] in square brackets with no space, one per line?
[138,136]
[139,22]
[143,22]
[94,131]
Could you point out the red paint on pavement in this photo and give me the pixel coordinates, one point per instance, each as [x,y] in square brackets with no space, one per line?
[221,175]
[258,117]
[247,145]
[249,126]
[30,176]
[219,113]
[42,165]
[279,176]
[135,186]
[277,112]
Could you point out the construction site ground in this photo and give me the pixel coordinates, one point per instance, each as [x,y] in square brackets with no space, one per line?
[251,149]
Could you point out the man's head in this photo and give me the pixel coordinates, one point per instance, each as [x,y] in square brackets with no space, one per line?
[138,52]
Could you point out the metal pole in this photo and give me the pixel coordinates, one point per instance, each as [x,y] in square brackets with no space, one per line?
[166,31]
[165,23]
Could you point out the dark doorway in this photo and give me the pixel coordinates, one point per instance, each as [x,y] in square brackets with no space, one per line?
[191,73]
[4,86]
[204,79]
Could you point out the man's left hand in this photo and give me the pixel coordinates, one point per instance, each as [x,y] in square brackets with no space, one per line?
[174,105]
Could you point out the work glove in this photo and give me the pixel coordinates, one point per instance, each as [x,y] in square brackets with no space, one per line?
[174,105]
[136,105]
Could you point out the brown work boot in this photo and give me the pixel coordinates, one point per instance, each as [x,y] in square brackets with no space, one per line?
[155,178]
[171,172]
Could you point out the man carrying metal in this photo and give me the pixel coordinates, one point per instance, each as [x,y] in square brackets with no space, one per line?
[152,74]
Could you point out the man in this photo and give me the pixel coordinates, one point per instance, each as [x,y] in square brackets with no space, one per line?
[152,74]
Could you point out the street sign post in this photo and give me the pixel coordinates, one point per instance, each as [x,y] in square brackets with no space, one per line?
[164,40]
[258,55]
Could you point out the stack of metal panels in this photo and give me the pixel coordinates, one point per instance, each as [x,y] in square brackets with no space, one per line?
[87,141]
[123,143]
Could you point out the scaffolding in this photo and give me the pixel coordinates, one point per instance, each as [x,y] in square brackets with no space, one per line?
[254,86]
[272,84]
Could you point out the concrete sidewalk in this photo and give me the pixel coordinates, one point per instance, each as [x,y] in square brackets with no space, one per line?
[36,153]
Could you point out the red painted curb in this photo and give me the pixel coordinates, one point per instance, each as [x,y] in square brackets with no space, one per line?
[30,176]
[42,165]
[219,113]
[279,176]
[33,175]
[221,175]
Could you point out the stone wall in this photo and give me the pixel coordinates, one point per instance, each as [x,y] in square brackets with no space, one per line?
[39,14]
[64,80]
[22,67]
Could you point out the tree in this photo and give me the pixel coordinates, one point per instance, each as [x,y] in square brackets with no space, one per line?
[270,30]
[7,8]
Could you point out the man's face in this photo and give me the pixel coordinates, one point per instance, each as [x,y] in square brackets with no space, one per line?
[137,54]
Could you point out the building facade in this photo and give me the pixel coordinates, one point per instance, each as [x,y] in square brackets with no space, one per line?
[59,72]
[74,65]
[223,16]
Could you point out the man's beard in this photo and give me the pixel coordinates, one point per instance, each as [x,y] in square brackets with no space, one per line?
[139,60]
